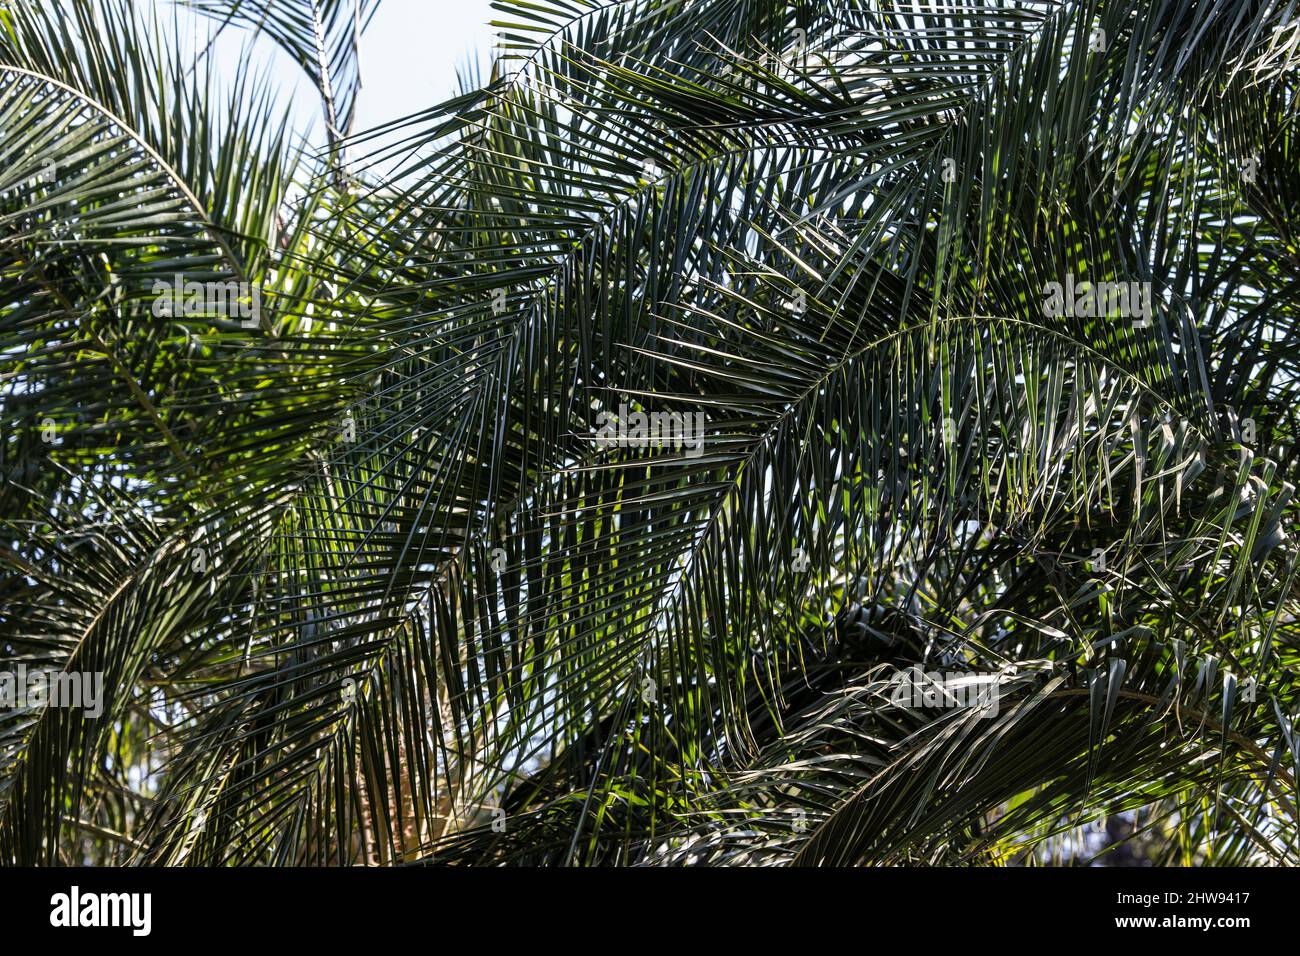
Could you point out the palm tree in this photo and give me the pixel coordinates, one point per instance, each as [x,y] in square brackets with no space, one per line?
[631,464]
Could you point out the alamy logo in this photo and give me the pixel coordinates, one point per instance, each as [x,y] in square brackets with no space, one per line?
[624,429]
[920,689]
[1091,300]
[75,909]
[50,688]
[241,300]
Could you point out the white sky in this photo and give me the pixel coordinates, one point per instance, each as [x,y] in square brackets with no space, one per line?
[410,56]
[411,52]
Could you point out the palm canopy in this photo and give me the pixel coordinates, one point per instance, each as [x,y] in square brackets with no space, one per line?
[364,585]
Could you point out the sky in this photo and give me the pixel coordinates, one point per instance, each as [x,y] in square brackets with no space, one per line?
[411,51]
[410,55]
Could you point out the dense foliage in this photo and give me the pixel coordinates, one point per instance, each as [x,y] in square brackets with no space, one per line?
[365,583]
